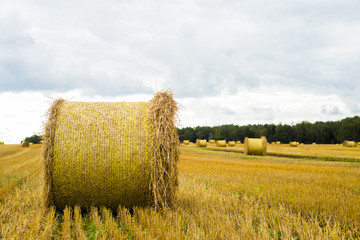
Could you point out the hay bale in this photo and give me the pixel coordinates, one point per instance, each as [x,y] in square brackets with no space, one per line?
[1,142]
[278,142]
[186,142]
[111,154]
[293,144]
[25,144]
[349,144]
[221,143]
[201,143]
[231,143]
[41,142]
[238,142]
[314,143]
[255,146]
[211,140]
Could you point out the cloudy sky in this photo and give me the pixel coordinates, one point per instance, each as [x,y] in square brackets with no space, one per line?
[239,62]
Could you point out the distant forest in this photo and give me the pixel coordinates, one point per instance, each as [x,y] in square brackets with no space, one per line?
[305,132]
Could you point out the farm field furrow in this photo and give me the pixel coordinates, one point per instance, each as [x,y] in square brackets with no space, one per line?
[221,195]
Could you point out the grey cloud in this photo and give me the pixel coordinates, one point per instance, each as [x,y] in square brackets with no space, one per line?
[330,110]
[198,48]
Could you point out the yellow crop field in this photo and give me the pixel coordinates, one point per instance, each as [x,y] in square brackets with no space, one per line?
[221,195]
[320,151]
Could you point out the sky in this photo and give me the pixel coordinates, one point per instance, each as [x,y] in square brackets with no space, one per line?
[227,62]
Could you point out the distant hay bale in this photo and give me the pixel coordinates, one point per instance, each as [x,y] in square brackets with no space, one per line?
[273,143]
[278,142]
[255,146]
[212,141]
[231,143]
[31,143]
[238,142]
[201,143]
[293,144]
[111,154]
[1,142]
[221,143]
[41,142]
[349,144]
[25,144]
[186,142]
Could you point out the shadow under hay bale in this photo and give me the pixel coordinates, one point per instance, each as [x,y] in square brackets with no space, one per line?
[111,154]
[255,146]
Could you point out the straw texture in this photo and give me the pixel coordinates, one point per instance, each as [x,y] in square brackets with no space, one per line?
[255,146]
[111,154]
[201,143]
[221,143]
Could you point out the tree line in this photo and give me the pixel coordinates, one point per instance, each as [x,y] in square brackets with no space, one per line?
[329,132]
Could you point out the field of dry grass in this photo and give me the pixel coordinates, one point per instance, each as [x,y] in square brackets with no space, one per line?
[222,195]
[330,152]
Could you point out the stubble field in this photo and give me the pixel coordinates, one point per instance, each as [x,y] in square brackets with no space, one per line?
[222,195]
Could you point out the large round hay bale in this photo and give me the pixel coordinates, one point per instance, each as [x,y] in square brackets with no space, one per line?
[293,144]
[278,142]
[1,142]
[231,143]
[25,144]
[111,154]
[211,141]
[201,143]
[221,143]
[349,144]
[238,142]
[255,146]
[186,142]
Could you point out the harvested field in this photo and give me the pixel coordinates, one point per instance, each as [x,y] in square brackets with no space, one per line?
[222,195]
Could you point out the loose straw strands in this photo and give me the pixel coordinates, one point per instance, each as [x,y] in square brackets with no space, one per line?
[111,153]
